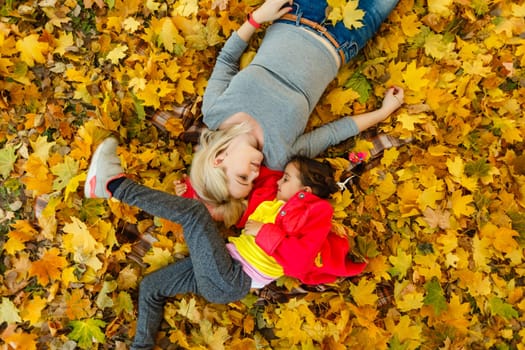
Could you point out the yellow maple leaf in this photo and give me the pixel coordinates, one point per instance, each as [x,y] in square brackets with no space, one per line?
[32,310]
[363,292]
[339,100]
[64,171]
[117,53]
[410,25]
[438,48]
[185,8]
[502,238]
[386,186]
[157,258]
[21,340]
[183,85]
[65,42]
[414,77]
[460,204]
[400,263]
[168,35]
[440,7]
[32,50]
[78,305]
[430,197]
[389,156]
[41,148]
[404,330]
[410,301]
[48,267]
[81,244]
[131,25]
[352,15]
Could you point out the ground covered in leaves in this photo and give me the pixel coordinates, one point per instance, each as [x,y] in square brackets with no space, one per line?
[442,219]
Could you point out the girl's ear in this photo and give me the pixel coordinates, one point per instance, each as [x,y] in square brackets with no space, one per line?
[307,189]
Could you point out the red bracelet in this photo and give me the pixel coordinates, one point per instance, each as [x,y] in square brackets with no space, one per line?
[253,22]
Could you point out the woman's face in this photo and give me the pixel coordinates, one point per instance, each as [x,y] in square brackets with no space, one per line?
[290,183]
[241,162]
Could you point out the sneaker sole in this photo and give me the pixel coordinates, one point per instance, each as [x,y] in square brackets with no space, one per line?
[91,179]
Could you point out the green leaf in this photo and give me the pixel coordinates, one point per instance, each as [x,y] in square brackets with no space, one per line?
[64,172]
[86,332]
[401,263]
[435,296]
[501,308]
[478,168]
[359,84]
[7,160]
[367,247]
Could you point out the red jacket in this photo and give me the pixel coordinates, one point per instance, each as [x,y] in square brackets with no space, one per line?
[301,240]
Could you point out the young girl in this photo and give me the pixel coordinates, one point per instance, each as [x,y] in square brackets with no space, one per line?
[287,236]
[258,115]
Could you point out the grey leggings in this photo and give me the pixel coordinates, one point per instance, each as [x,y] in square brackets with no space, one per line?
[209,270]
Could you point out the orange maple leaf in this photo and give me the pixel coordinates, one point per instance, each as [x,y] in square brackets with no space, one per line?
[48,267]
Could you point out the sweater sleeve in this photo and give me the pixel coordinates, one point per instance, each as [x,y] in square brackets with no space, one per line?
[313,143]
[296,251]
[226,67]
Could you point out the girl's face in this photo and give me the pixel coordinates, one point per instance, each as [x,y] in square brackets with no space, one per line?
[290,183]
[241,163]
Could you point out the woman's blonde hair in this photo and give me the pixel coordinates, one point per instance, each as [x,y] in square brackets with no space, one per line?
[209,181]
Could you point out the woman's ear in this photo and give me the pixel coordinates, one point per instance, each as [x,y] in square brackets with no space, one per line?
[218,160]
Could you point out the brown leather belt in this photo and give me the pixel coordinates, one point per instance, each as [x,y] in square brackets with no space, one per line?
[319,28]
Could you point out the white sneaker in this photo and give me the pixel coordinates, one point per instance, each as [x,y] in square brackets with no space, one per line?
[105,166]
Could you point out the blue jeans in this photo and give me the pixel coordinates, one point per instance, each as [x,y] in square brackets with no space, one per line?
[350,40]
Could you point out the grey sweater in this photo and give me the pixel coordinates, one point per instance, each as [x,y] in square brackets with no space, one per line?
[279,89]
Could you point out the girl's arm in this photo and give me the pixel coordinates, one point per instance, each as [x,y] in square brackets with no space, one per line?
[317,141]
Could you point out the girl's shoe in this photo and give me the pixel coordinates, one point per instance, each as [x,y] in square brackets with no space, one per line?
[105,166]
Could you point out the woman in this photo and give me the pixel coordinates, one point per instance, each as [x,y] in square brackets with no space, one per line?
[257,116]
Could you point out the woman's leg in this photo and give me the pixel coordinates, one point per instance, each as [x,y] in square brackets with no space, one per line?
[351,40]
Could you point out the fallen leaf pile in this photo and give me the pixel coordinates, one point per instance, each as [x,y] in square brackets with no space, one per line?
[441,220]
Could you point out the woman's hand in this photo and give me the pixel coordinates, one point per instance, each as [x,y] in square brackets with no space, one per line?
[252,227]
[271,10]
[394,98]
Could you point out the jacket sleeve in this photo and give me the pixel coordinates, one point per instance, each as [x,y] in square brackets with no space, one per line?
[226,67]
[313,143]
[264,189]
[297,248]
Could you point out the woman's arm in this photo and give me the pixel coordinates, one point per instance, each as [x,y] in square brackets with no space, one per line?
[227,65]
[269,11]
[317,141]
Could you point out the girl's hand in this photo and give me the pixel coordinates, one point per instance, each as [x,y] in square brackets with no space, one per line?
[271,10]
[394,98]
[180,186]
[252,227]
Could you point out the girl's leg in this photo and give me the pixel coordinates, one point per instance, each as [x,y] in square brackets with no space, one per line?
[216,276]
[154,290]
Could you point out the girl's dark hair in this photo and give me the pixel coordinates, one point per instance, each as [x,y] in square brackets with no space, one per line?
[318,175]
